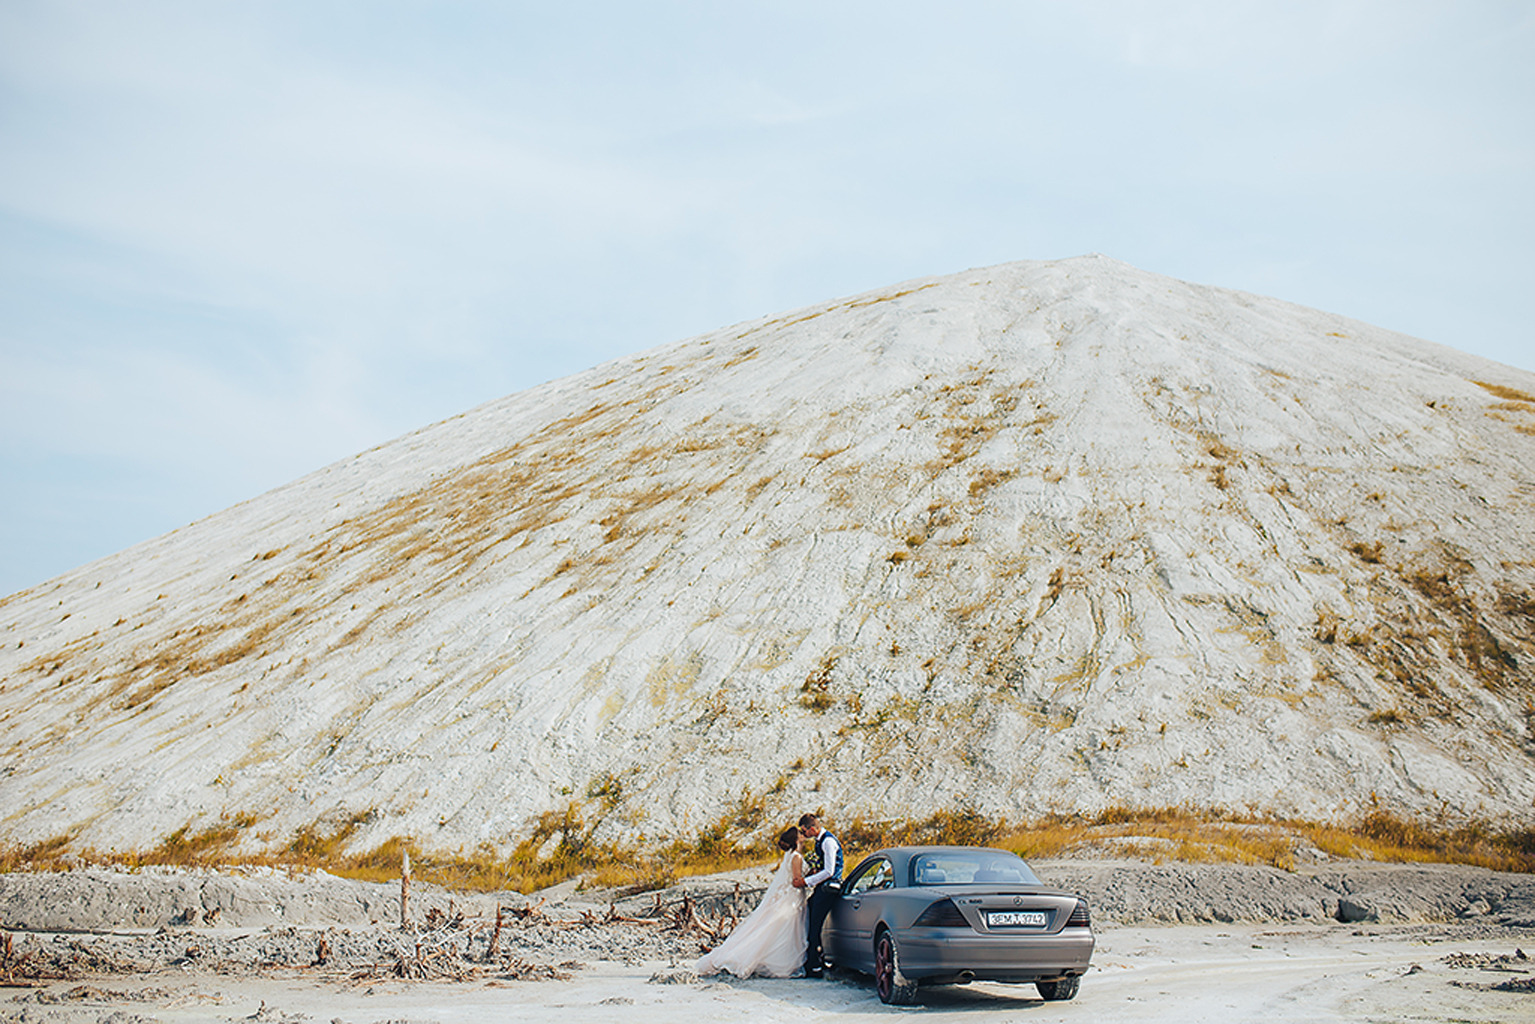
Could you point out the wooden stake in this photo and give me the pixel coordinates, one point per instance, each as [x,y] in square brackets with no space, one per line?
[495,937]
[405,893]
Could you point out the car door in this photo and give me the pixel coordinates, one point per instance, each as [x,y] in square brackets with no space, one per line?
[838,934]
[859,910]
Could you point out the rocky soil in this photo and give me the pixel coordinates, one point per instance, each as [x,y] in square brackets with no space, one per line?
[103,947]
[82,925]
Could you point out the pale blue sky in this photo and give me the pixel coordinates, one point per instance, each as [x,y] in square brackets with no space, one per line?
[241,240]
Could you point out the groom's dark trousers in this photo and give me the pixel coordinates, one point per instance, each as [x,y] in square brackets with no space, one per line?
[821,899]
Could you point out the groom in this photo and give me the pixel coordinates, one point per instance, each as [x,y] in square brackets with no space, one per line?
[824,880]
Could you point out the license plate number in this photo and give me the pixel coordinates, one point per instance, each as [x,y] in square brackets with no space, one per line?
[1016,919]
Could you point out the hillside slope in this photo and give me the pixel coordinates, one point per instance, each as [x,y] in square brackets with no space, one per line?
[1040,536]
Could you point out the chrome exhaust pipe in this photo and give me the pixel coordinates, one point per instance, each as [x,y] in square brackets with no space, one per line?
[966,977]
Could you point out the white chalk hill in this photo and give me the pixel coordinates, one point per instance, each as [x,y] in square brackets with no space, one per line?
[1044,536]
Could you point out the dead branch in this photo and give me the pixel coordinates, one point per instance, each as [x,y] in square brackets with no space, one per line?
[614,917]
[686,918]
[528,913]
[26,970]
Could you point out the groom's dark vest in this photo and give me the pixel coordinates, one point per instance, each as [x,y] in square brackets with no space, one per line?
[817,859]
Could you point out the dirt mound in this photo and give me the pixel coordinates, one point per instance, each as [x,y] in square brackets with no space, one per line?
[97,900]
[1040,537]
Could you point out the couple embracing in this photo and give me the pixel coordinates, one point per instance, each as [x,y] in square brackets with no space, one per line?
[782,937]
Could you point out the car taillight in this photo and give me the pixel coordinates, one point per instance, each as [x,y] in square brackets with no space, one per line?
[943,914]
[1079,918]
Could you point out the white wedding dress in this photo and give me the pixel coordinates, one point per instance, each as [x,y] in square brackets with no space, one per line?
[771,941]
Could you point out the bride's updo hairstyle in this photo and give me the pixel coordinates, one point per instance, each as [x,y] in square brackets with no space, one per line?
[789,839]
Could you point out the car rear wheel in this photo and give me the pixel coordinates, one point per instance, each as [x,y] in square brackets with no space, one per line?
[894,987]
[1061,988]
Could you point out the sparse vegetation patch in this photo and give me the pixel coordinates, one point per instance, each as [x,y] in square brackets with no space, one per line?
[815,692]
[562,844]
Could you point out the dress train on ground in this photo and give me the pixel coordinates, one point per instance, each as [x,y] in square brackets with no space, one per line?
[771,941]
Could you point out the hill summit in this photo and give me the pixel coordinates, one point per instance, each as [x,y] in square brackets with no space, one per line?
[1048,536]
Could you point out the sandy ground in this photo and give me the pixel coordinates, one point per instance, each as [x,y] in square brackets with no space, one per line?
[1184,974]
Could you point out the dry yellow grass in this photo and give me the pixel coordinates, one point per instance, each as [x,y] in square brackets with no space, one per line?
[561,846]
[1505,392]
[1198,836]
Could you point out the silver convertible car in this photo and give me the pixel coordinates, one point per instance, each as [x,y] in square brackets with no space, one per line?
[952,914]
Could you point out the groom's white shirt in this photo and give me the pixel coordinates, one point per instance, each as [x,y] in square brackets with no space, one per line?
[828,858]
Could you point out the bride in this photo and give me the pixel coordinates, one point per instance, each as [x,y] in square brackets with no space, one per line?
[771,941]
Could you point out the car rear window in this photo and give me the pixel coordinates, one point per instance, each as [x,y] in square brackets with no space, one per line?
[970,867]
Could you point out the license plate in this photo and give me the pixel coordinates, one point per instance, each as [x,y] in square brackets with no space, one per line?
[1016,919]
